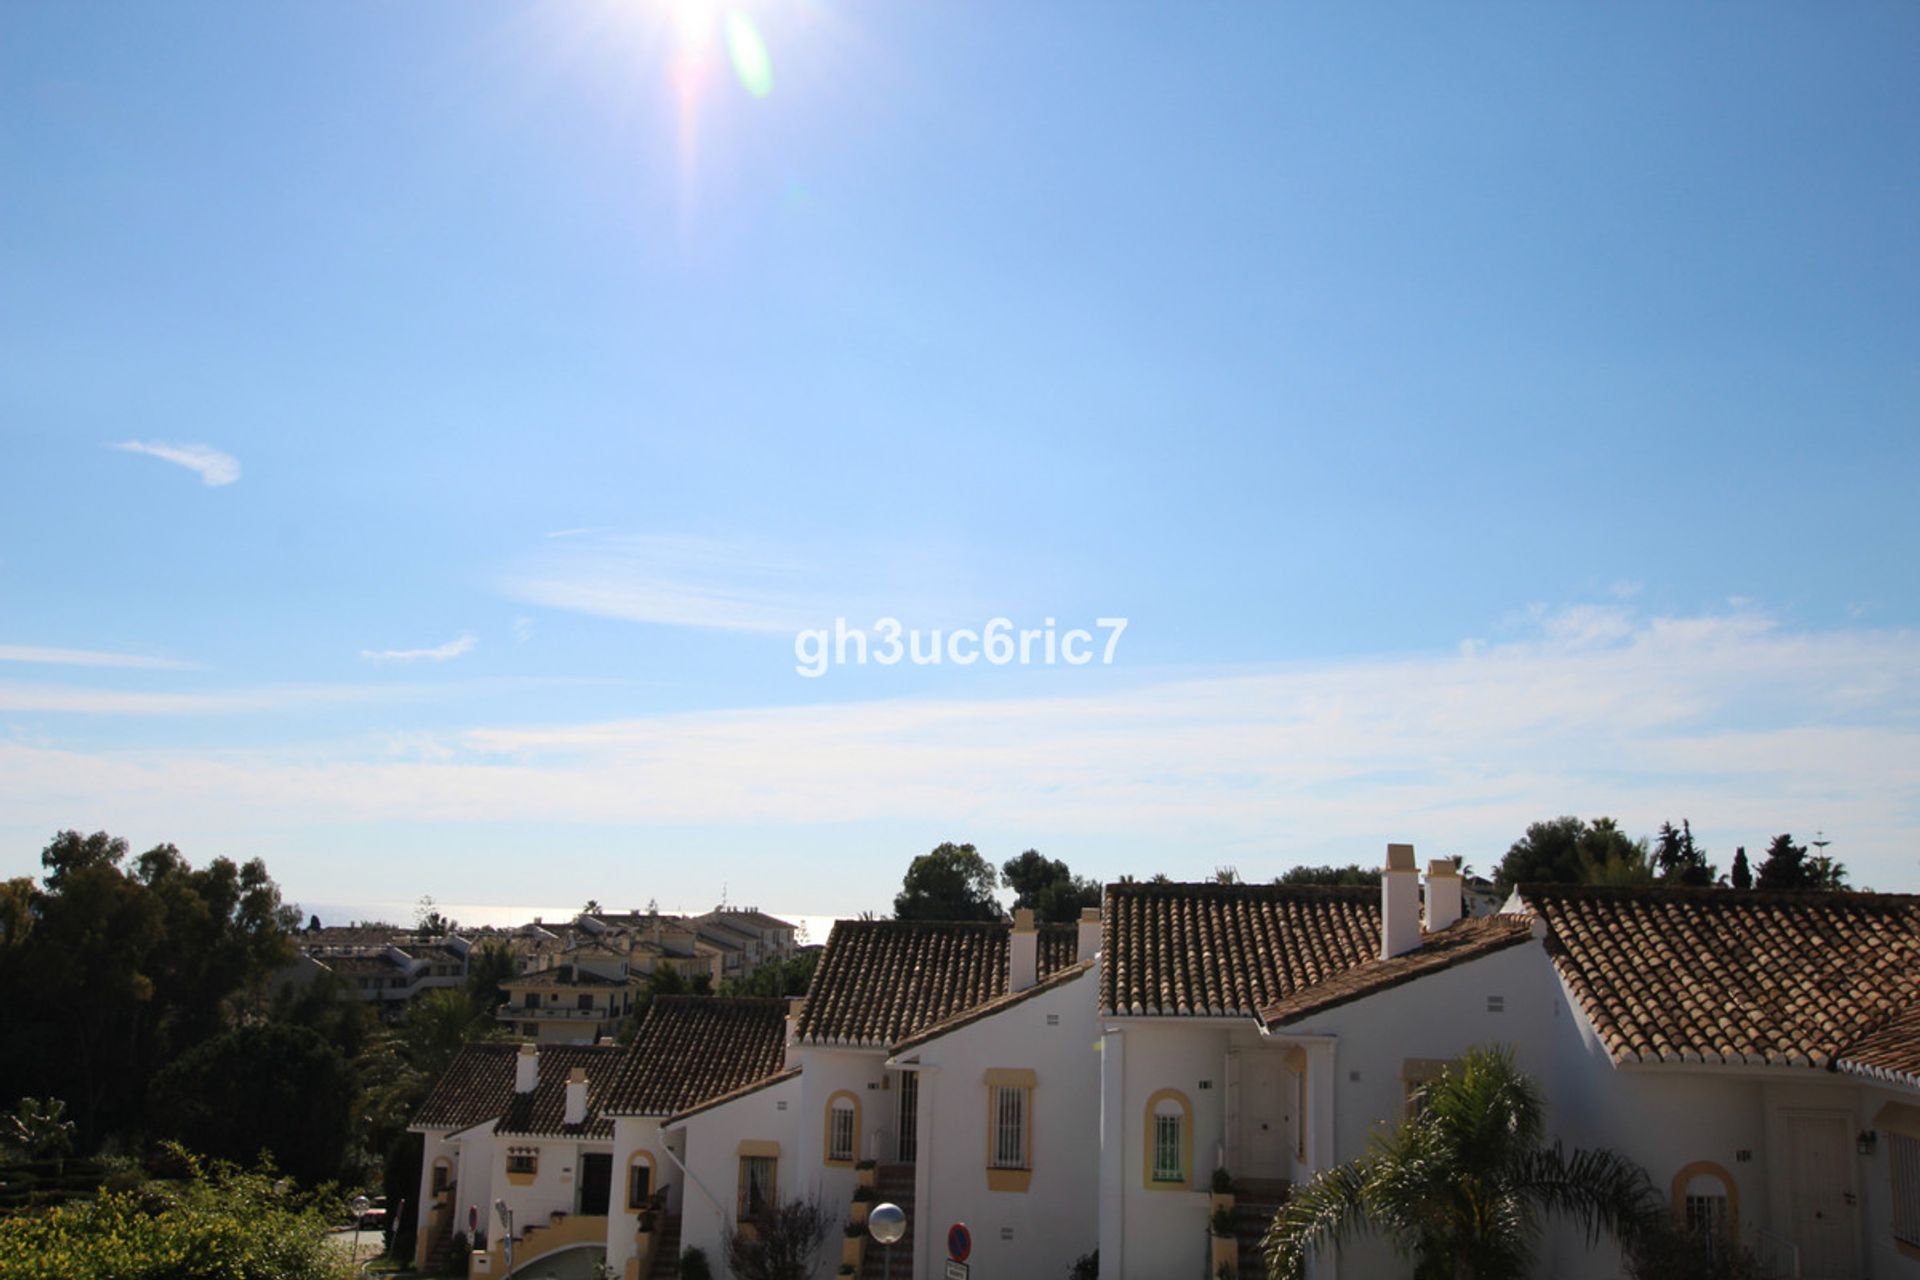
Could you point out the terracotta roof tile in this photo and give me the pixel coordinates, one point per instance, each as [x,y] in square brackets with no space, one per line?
[1715,975]
[879,981]
[731,1095]
[474,1088]
[1212,949]
[543,1112]
[1058,978]
[1891,1054]
[691,1048]
[1465,940]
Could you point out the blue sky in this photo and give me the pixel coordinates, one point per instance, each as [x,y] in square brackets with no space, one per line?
[1478,413]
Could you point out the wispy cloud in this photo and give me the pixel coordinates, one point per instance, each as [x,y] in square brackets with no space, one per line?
[214,466]
[439,653]
[1729,719]
[87,658]
[673,581]
[522,630]
[64,699]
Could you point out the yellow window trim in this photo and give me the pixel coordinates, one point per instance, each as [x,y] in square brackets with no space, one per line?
[1688,1172]
[640,1156]
[759,1147]
[1147,1180]
[1024,1079]
[826,1133]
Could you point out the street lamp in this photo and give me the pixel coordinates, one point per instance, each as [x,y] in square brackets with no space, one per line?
[359,1205]
[886,1224]
[506,1226]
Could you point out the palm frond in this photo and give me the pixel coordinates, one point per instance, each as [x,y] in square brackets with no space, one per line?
[1325,1211]
[1600,1189]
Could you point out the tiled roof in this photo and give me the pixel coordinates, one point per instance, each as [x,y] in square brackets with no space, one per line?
[732,1095]
[1058,978]
[691,1048]
[1196,950]
[1717,975]
[475,1087]
[1464,940]
[879,981]
[543,1112]
[1891,1054]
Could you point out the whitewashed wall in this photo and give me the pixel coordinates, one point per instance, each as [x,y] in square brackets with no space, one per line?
[1040,1231]
[631,1134]
[709,1145]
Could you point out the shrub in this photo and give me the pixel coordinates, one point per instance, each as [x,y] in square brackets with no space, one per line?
[693,1265]
[851,1229]
[220,1222]
[1085,1267]
[1222,1183]
[865,1195]
[1222,1222]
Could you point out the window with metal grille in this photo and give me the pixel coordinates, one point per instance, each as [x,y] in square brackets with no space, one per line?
[1903,1159]
[1706,1215]
[523,1162]
[1166,1144]
[1009,1127]
[756,1186]
[639,1184]
[840,1140]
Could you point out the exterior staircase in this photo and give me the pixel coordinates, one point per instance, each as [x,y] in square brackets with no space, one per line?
[440,1255]
[895,1185]
[1253,1208]
[666,1256]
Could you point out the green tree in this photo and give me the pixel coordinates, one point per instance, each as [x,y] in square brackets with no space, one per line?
[1460,1187]
[1787,866]
[488,967]
[264,1086]
[37,1129]
[1742,873]
[1049,887]
[1353,874]
[1678,860]
[1566,851]
[787,977]
[953,882]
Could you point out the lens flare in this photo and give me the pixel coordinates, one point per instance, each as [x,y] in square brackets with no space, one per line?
[748,53]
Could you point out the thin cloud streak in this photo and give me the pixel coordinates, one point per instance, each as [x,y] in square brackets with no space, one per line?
[88,658]
[1729,720]
[439,653]
[214,467]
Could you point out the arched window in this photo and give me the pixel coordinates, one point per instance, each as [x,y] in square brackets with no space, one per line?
[639,1180]
[1168,1151]
[842,1143]
[1706,1200]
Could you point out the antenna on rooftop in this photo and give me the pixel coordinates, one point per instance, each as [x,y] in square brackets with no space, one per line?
[1820,841]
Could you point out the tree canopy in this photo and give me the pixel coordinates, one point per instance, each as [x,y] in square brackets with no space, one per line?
[1678,860]
[1787,866]
[108,971]
[1049,887]
[952,882]
[1353,874]
[1568,851]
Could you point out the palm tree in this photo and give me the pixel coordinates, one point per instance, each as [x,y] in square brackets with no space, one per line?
[1461,1185]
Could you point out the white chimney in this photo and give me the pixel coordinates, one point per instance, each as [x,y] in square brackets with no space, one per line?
[576,1096]
[790,1056]
[526,1068]
[1023,952]
[1443,894]
[1087,943]
[1399,903]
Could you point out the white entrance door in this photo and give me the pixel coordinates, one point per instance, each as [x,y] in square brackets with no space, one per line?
[1820,1179]
[1265,1135]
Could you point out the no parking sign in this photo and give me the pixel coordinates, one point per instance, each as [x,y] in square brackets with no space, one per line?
[959,1242]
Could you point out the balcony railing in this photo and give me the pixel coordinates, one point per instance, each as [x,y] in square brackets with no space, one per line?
[520,1013]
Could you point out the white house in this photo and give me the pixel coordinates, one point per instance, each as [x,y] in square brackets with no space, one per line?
[1058,1088]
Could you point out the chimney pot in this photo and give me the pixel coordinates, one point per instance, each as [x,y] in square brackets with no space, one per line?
[1443,894]
[1399,903]
[1087,941]
[526,1068]
[576,1096]
[1023,952]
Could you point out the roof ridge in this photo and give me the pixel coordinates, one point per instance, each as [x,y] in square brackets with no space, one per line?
[1717,894]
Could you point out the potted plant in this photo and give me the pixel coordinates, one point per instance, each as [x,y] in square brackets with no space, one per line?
[867,1173]
[853,1247]
[1223,1227]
